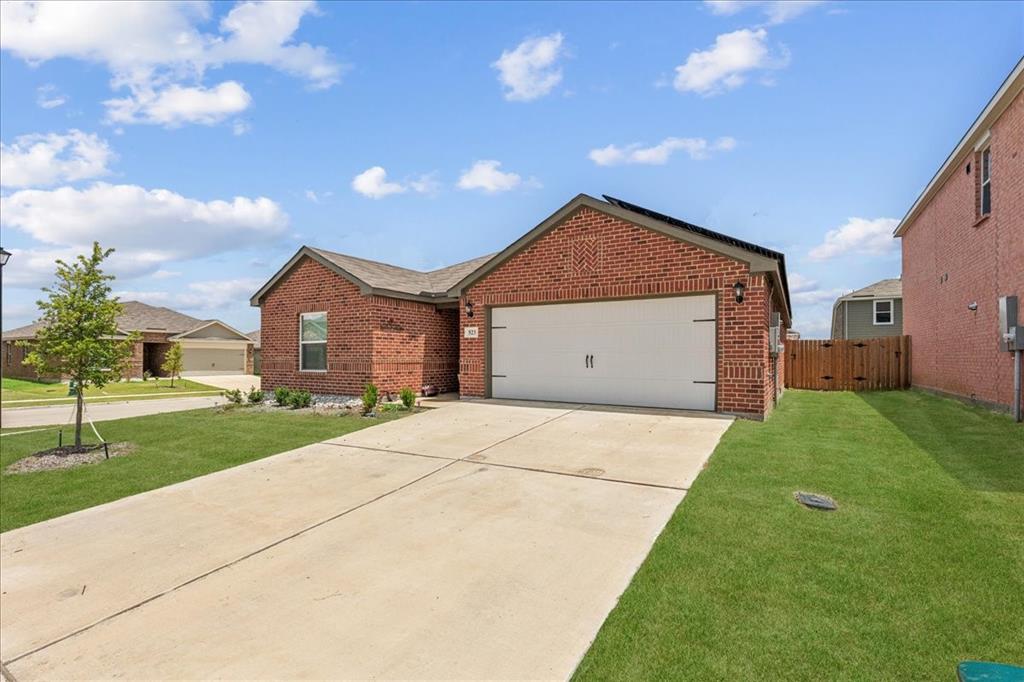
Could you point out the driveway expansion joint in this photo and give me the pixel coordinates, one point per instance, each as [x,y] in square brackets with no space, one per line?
[217,569]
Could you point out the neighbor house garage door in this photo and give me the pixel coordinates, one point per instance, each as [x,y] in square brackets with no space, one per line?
[657,352]
[213,361]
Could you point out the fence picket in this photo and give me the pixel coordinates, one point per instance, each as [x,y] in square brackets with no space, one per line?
[853,365]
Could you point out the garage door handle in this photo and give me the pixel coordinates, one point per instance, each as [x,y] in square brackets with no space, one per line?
[586,360]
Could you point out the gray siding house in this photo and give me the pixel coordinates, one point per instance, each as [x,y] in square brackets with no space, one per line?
[875,310]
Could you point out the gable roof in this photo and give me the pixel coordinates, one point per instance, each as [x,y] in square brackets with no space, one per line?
[759,258]
[135,316]
[975,136]
[374,277]
[206,324]
[886,288]
[138,316]
[255,336]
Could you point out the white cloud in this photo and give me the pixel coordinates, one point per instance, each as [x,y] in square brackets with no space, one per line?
[41,160]
[484,175]
[199,296]
[530,71]
[165,274]
[147,227]
[696,147]
[776,11]
[798,283]
[48,97]
[317,197]
[240,127]
[726,64]
[163,63]
[724,7]
[426,184]
[261,33]
[176,105]
[858,236]
[32,268]
[373,183]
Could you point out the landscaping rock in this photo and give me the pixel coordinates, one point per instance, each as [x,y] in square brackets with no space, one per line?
[67,457]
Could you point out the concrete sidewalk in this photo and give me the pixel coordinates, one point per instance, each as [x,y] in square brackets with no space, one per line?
[25,417]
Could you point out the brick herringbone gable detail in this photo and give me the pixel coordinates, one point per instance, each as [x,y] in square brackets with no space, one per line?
[586,256]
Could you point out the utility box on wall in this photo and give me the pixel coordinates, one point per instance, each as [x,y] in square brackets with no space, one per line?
[775,335]
[1011,333]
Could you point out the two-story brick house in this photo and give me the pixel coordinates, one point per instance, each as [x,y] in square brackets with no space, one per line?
[963,248]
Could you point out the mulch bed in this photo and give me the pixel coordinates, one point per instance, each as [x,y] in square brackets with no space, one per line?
[67,457]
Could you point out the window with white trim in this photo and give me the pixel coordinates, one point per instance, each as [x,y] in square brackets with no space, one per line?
[313,342]
[883,312]
[986,182]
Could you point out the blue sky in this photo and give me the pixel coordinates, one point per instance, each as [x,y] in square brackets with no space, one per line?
[207,142]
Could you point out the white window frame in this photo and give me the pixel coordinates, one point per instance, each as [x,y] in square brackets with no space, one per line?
[892,312]
[303,343]
[986,168]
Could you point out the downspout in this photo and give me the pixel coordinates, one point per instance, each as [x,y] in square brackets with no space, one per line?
[1016,385]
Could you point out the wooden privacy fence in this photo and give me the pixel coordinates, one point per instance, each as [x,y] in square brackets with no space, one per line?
[855,365]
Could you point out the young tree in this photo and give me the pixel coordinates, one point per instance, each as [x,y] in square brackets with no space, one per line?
[173,362]
[79,323]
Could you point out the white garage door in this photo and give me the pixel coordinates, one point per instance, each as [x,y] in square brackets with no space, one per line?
[213,361]
[657,352]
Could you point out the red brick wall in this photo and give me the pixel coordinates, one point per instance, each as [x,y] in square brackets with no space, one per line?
[394,343]
[592,255]
[311,287]
[950,260]
[13,357]
[414,344]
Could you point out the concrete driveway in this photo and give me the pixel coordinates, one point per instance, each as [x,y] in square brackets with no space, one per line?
[474,540]
[243,382]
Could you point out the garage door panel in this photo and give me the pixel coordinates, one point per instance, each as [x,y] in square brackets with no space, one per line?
[213,361]
[647,352]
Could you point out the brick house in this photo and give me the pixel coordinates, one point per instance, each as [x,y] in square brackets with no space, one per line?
[963,248]
[208,346]
[602,302]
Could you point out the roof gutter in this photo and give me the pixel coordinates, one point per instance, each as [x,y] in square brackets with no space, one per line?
[1006,93]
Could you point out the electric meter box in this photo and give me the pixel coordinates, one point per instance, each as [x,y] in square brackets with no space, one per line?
[1011,332]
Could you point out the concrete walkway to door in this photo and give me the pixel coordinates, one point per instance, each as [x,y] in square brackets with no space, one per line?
[473,540]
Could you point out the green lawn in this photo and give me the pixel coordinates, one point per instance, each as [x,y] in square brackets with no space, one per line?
[22,390]
[171,447]
[922,565]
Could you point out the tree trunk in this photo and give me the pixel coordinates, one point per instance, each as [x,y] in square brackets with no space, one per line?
[79,405]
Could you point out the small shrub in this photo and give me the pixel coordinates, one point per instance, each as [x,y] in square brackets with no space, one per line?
[370,395]
[234,396]
[147,375]
[408,397]
[255,395]
[299,399]
[282,396]
[391,407]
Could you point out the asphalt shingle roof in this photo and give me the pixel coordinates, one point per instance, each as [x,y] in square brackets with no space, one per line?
[886,288]
[137,316]
[391,277]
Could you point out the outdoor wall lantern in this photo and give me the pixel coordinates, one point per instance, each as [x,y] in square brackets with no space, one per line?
[469,309]
[972,306]
[4,255]
[738,289]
